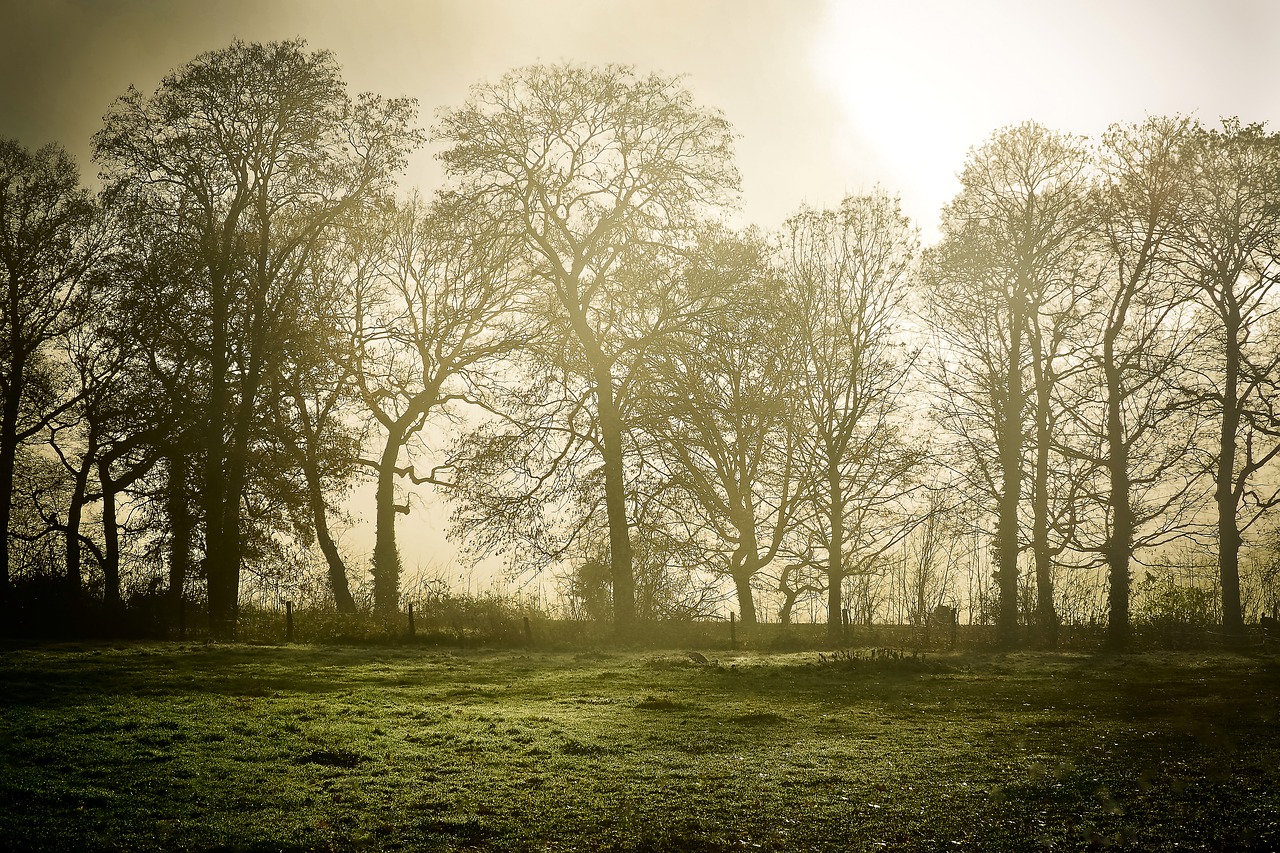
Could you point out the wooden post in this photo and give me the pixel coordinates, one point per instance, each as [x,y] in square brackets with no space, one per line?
[733,632]
[528,632]
[288,621]
[412,628]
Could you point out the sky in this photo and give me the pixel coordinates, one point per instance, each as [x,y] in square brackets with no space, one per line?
[828,97]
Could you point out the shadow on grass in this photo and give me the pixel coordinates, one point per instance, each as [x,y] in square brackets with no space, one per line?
[298,748]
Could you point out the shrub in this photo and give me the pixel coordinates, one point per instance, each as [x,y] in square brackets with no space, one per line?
[1177,615]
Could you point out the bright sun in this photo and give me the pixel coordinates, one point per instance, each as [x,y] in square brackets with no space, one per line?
[918,85]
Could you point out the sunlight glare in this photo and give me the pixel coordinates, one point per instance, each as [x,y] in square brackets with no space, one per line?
[919,85]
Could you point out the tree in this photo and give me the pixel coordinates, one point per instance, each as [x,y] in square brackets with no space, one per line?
[1009,258]
[244,158]
[600,173]
[1135,314]
[51,241]
[162,384]
[76,439]
[1228,245]
[436,314]
[317,436]
[720,418]
[850,273]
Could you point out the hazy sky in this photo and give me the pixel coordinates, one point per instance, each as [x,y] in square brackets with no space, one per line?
[828,97]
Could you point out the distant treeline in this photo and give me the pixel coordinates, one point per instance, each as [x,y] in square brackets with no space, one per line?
[568,344]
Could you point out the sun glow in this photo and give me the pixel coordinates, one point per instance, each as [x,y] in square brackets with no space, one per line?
[919,85]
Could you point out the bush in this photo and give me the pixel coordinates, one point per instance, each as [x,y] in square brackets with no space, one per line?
[1177,615]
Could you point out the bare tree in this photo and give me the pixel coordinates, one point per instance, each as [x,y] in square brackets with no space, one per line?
[312,398]
[436,313]
[721,420]
[1135,319]
[850,273]
[600,172]
[1012,243]
[1228,245]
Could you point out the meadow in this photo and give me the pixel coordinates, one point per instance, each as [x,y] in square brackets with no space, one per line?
[194,746]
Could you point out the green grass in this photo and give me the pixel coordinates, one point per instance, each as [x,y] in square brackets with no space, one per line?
[163,747]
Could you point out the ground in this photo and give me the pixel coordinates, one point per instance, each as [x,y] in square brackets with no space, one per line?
[236,747]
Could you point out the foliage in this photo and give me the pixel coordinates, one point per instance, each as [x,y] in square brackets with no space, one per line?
[52,245]
[240,163]
[1171,607]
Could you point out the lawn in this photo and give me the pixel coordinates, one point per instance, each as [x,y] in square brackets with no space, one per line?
[238,747]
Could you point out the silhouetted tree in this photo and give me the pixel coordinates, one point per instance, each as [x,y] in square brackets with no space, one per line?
[163,384]
[1228,244]
[850,272]
[1011,247]
[1135,316]
[436,313]
[243,159]
[50,243]
[598,171]
[317,434]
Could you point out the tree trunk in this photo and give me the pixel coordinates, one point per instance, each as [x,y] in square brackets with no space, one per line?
[319,513]
[230,473]
[788,604]
[1006,552]
[75,511]
[1119,550]
[181,526]
[111,540]
[1046,613]
[219,572]
[224,562]
[615,497]
[308,454]
[236,473]
[1224,487]
[8,461]
[386,554]
[835,556]
[746,598]
[1006,538]
[1119,545]
[789,596]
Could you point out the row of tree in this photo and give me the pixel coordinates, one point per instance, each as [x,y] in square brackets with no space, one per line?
[568,343]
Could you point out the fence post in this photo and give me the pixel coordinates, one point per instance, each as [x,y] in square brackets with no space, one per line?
[733,632]
[288,621]
[412,628]
[528,632]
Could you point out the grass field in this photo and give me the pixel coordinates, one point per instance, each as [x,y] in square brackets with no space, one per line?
[226,747]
